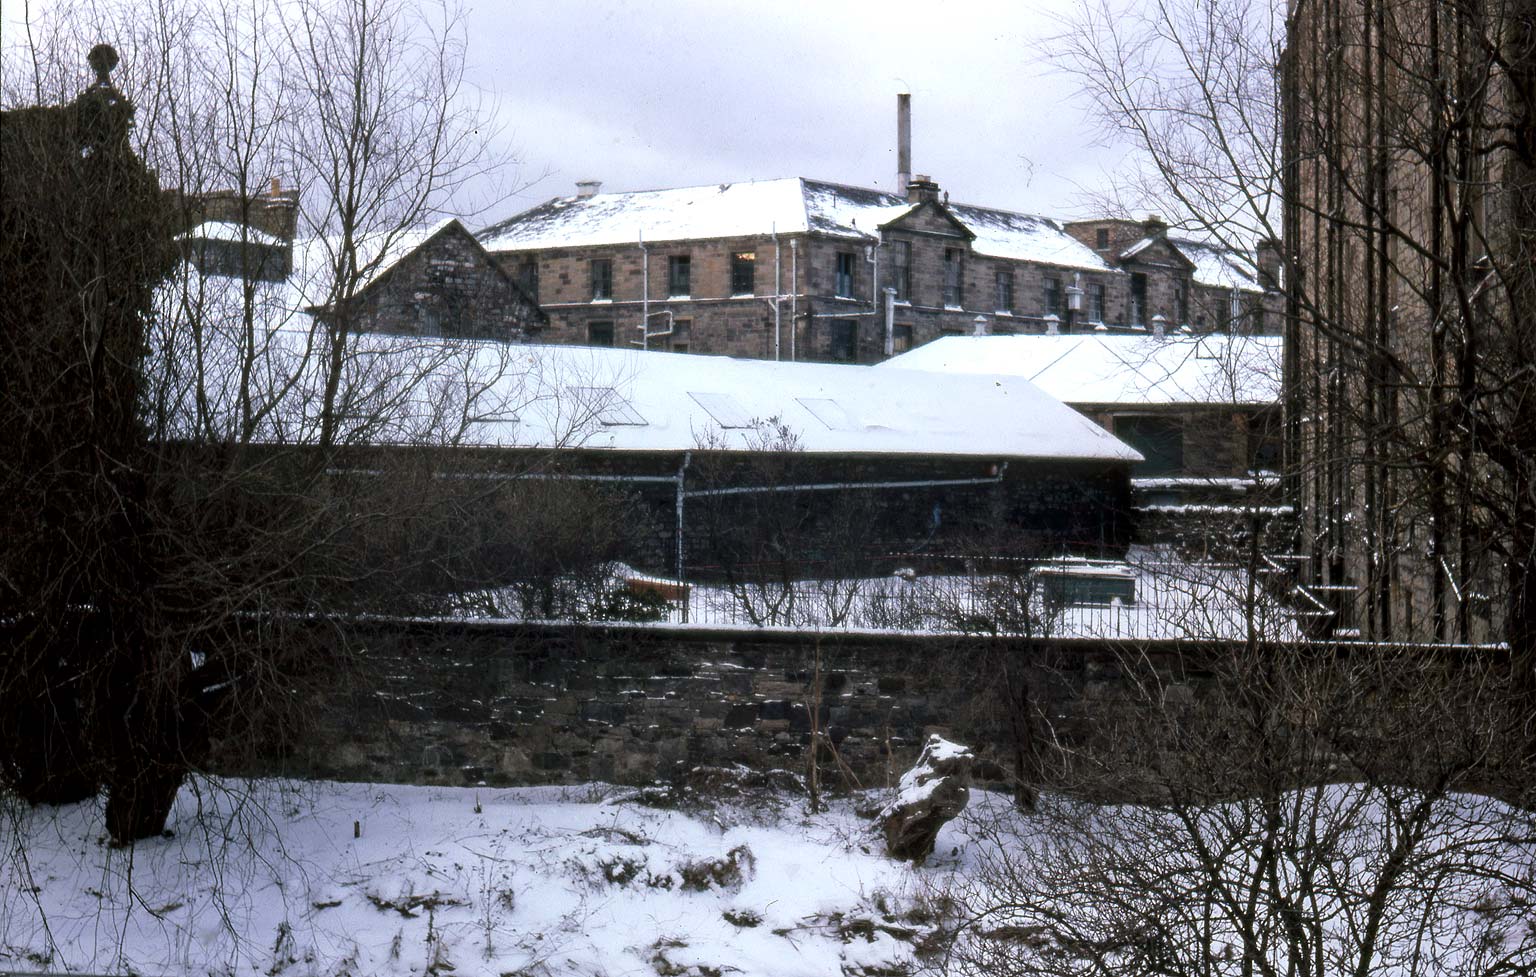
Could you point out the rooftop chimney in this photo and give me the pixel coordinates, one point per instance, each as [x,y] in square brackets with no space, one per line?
[587,189]
[1269,263]
[903,141]
[1154,225]
[922,188]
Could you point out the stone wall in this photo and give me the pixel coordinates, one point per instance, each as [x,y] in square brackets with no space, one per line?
[513,704]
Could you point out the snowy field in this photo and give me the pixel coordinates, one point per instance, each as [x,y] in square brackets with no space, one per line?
[269,879]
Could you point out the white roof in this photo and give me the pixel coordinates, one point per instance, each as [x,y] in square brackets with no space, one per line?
[1023,237]
[791,206]
[1218,266]
[230,231]
[1116,369]
[653,401]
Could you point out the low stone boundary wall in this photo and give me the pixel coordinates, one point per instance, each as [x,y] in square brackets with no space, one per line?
[507,704]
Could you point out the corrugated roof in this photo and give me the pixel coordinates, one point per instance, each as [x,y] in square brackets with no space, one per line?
[1123,370]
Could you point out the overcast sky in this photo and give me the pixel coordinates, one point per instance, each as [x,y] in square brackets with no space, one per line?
[657,93]
[651,94]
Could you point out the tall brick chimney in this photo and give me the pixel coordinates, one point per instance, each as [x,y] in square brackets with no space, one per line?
[903,141]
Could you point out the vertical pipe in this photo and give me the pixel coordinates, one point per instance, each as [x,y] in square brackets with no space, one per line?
[645,294]
[778,288]
[794,293]
[682,471]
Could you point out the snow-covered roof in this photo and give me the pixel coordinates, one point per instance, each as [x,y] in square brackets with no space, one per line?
[230,231]
[1218,266]
[652,401]
[1023,237]
[314,258]
[1116,369]
[791,206]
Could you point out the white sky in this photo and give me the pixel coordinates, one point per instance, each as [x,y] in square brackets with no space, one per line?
[656,93]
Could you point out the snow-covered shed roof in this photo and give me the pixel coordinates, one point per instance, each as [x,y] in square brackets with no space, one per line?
[1218,266]
[652,401]
[1116,369]
[790,206]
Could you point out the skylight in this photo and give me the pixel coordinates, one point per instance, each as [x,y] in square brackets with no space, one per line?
[829,412]
[607,406]
[723,408]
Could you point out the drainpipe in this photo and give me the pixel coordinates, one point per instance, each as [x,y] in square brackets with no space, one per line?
[890,321]
[794,293]
[645,294]
[681,472]
[778,287]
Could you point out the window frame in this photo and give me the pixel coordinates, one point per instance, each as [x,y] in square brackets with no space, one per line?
[1003,296]
[679,271]
[901,270]
[743,270]
[595,326]
[954,278]
[600,276]
[844,275]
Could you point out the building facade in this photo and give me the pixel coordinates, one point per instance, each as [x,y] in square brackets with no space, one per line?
[807,270]
[1410,181]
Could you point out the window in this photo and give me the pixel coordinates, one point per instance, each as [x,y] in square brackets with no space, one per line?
[679,275]
[842,281]
[605,405]
[1101,238]
[743,272]
[528,277]
[901,270]
[599,334]
[1095,303]
[1159,439]
[602,280]
[953,294]
[1004,291]
[901,337]
[1052,296]
[725,409]
[1181,303]
[829,412]
[843,342]
[1139,298]
[682,336]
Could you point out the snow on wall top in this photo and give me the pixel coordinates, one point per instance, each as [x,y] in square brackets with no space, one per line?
[1116,369]
[792,206]
[1022,237]
[1218,266]
[230,231]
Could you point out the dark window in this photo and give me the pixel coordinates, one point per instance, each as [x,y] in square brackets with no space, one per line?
[1095,303]
[1052,296]
[842,283]
[901,270]
[1159,439]
[682,334]
[843,342]
[1181,303]
[1004,291]
[602,279]
[1139,298]
[953,294]
[599,334]
[528,277]
[679,275]
[743,272]
[1258,318]
[901,337]
[1101,238]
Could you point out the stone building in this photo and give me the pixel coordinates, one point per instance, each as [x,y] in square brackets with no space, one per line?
[807,270]
[435,281]
[1410,208]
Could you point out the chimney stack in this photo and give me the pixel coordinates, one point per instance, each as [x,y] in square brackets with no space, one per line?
[587,189]
[1269,263]
[922,188]
[903,141]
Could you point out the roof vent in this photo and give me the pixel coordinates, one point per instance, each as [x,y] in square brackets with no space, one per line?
[586,189]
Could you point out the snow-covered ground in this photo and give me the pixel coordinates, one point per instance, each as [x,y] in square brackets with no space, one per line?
[327,878]
[269,879]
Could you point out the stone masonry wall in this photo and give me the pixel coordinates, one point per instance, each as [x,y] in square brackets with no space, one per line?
[514,704]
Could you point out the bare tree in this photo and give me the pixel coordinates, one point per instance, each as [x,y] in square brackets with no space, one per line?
[267,463]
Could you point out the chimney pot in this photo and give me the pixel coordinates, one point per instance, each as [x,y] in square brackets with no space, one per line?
[587,189]
[922,188]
